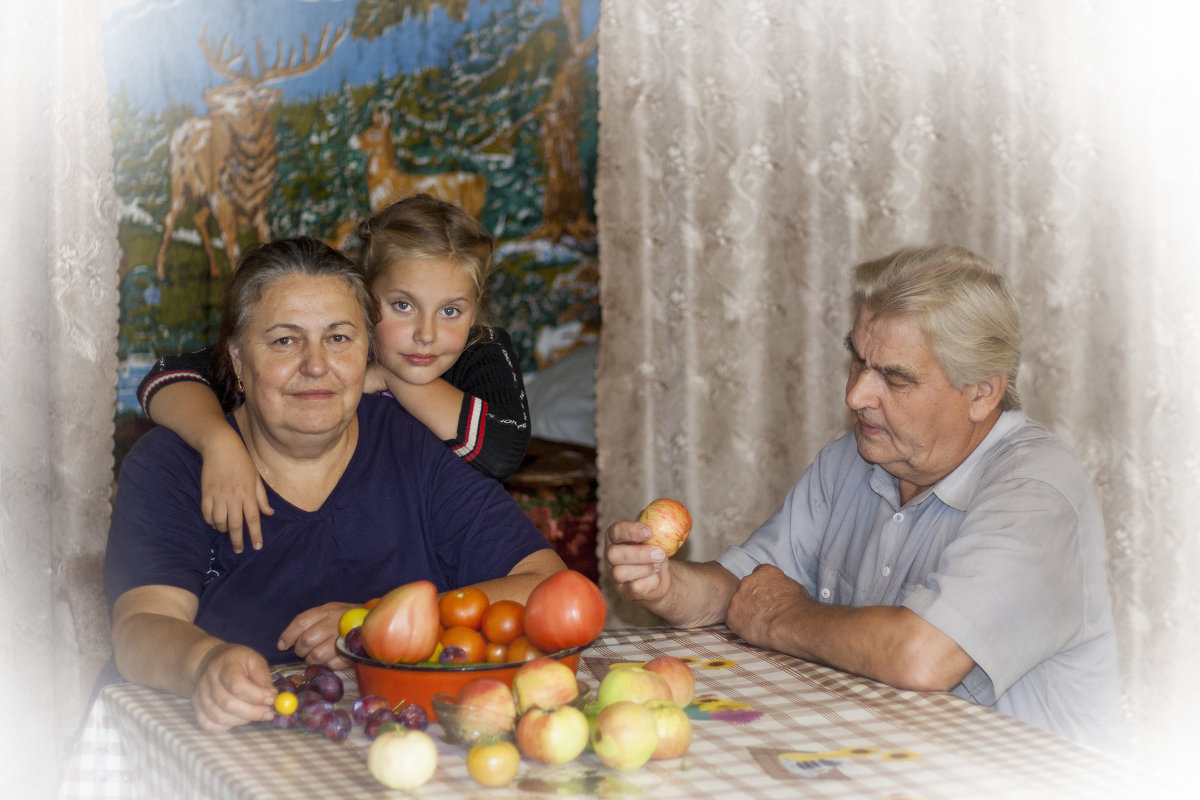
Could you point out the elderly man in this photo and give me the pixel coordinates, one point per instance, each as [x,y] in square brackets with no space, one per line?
[947,544]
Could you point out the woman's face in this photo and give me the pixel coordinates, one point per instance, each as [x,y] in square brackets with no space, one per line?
[303,355]
[429,306]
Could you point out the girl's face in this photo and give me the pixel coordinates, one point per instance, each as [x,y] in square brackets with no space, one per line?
[429,306]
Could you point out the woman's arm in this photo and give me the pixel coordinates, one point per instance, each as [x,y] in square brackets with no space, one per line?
[156,643]
[520,580]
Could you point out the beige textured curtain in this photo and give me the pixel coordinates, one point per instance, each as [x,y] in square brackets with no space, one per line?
[752,152]
[58,329]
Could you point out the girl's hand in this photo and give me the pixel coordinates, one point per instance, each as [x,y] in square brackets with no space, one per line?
[232,495]
[374,382]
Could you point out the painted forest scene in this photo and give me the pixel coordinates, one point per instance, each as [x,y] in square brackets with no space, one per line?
[239,122]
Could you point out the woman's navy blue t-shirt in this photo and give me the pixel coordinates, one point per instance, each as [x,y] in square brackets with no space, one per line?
[405,509]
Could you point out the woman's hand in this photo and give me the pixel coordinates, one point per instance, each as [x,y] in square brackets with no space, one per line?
[233,687]
[312,634]
[232,494]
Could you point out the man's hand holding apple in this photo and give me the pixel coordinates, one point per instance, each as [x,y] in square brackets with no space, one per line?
[640,573]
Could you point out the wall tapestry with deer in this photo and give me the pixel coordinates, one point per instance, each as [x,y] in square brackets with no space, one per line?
[237,121]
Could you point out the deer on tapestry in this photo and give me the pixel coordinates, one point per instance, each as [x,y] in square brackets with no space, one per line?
[387,184]
[225,161]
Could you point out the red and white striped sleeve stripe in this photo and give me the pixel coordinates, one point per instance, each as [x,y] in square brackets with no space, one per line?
[472,441]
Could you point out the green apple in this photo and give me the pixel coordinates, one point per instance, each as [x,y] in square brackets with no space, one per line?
[552,735]
[402,759]
[673,727]
[624,735]
[635,684]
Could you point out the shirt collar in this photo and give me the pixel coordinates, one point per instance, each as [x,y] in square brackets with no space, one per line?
[957,488]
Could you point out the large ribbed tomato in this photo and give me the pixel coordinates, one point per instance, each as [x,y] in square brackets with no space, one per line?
[403,625]
[565,610]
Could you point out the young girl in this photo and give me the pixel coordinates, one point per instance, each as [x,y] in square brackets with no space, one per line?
[427,262]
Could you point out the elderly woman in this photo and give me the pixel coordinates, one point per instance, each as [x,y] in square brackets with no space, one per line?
[365,499]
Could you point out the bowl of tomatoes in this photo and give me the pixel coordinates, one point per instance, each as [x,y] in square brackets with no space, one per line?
[474,637]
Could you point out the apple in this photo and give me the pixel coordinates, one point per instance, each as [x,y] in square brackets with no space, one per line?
[552,735]
[543,683]
[669,521]
[402,759]
[678,676]
[673,727]
[634,684]
[624,735]
[403,626]
[491,695]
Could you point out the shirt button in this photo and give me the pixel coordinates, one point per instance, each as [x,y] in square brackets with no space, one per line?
[898,517]
[887,571]
[825,594]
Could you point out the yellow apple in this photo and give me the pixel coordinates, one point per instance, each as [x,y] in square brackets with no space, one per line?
[543,683]
[402,759]
[624,735]
[634,684]
[552,735]
[673,727]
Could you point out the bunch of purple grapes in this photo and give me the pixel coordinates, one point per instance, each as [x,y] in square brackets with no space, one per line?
[317,691]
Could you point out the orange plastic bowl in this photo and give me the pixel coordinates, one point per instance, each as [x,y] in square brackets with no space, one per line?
[400,684]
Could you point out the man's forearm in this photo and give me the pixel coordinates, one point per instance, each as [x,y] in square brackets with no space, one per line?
[888,644]
[699,594]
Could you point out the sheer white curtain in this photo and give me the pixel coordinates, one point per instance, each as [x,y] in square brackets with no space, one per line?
[58,339]
[752,152]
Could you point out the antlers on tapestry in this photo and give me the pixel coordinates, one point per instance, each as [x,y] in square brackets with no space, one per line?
[224,162]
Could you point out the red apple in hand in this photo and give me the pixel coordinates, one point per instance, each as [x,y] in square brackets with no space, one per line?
[670,523]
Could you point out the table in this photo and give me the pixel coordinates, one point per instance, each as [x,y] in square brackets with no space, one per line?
[765,725]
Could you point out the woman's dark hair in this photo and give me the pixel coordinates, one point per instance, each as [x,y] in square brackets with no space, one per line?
[256,271]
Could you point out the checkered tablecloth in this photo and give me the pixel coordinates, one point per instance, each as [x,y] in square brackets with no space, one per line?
[765,726]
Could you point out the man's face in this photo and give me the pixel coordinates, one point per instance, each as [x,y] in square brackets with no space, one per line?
[908,418]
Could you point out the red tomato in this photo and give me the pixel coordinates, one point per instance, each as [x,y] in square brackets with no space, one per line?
[403,626]
[565,610]
[519,649]
[468,639]
[503,621]
[496,653]
[463,606]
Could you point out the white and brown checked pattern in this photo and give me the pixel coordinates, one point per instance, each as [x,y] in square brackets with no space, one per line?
[765,726]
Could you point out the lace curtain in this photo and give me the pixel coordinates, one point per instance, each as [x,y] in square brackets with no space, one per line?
[58,334]
[752,152]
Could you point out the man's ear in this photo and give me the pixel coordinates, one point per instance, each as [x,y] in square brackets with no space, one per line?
[987,396]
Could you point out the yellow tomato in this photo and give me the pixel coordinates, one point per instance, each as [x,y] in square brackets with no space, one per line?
[351,618]
[286,703]
[493,763]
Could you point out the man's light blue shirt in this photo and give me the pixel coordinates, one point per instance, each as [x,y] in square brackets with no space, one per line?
[1006,555]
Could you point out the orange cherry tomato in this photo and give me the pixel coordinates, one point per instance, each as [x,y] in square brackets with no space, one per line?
[463,606]
[374,601]
[496,653]
[503,621]
[468,639]
[520,649]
